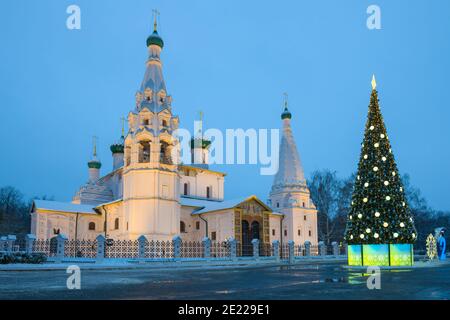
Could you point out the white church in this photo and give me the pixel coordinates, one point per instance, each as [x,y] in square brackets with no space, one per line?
[148,193]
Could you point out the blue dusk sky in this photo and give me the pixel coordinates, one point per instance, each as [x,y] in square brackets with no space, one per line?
[232,59]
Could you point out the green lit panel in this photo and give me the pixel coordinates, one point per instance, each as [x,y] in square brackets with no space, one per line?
[354,255]
[376,255]
[401,254]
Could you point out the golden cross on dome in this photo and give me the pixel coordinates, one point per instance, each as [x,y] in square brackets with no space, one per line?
[374,82]
[285,99]
[94,143]
[123,126]
[155,16]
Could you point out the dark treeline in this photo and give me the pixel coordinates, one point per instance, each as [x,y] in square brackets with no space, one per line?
[332,197]
[15,211]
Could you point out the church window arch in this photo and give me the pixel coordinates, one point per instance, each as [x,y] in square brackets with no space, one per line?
[161,96]
[165,153]
[186,189]
[148,94]
[182,227]
[91,226]
[116,224]
[208,192]
[144,151]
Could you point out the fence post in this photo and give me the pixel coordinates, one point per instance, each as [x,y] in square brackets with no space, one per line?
[60,247]
[335,246]
[255,243]
[307,248]
[322,248]
[291,251]
[100,248]
[276,249]
[206,247]
[233,248]
[29,241]
[142,240]
[176,247]
[10,243]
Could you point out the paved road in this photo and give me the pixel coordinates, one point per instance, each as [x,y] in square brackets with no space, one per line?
[315,281]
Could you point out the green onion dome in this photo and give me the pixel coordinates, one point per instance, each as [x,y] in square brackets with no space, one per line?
[94,164]
[155,39]
[204,143]
[118,147]
[286,114]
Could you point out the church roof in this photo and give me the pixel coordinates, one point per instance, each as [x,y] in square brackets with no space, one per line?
[290,170]
[208,206]
[62,206]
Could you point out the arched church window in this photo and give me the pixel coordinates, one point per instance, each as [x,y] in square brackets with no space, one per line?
[182,227]
[299,232]
[116,224]
[186,189]
[148,94]
[164,123]
[165,153]
[144,151]
[146,122]
[208,192]
[161,96]
[91,226]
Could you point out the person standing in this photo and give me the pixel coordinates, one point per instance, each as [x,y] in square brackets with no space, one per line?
[441,245]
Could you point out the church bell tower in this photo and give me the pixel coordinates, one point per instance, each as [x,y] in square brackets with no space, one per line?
[150,177]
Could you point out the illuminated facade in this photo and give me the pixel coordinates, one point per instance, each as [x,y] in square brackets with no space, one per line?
[147,193]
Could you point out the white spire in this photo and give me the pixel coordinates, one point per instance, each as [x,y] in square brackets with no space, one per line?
[152,93]
[290,171]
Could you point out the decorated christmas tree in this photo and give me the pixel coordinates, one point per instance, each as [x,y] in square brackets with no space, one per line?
[380,220]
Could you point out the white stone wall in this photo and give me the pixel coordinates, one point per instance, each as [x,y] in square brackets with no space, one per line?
[198,180]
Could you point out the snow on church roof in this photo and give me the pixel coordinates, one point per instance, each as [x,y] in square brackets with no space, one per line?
[63,206]
[208,206]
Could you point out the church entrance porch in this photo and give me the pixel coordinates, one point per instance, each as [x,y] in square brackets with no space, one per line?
[252,222]
[250,231]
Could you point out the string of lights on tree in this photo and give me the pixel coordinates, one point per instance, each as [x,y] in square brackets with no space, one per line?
[379,211]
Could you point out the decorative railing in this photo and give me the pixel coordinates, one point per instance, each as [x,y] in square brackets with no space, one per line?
[191,249]
[80,248]
[122,249]
[156,249]
[47,247]
[220,249]
[60,248]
